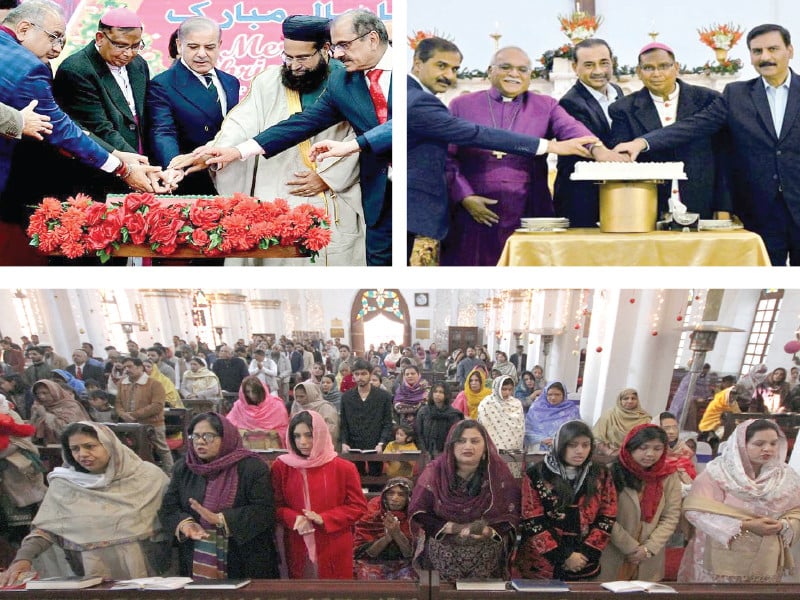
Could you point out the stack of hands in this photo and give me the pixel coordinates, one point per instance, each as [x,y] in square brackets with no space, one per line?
[144,177]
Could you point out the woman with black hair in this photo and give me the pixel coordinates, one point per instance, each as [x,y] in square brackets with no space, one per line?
[745,507]
[569,506]
[319,499]
[648,507]
[219,505]
[465,508]
[434,420]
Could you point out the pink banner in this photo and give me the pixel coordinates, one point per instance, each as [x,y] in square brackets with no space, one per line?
[251,32]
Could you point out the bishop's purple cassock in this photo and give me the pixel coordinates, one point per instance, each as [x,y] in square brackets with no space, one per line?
[519,183]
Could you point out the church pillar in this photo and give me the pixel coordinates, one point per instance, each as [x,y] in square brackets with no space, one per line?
[632,343]
[166,313]
[229,316]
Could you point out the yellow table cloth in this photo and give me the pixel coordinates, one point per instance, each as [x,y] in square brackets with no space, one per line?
[593,248]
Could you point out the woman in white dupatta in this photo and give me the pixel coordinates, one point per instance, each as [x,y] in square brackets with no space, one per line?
[745,508]
[100,508]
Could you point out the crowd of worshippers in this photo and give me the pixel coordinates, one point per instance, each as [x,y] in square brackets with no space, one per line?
[599,502]
[103,115]
[479,166]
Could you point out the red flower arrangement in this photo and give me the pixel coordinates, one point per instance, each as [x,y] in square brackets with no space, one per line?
[214,227]
[720,36]
[418,36]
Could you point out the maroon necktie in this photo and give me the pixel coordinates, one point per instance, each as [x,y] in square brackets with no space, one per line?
[377,95]
[78,373]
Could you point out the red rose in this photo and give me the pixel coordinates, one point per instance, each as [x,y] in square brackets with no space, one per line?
[94,213]
[203,215]
[200,238]
[133,202]
[137,227]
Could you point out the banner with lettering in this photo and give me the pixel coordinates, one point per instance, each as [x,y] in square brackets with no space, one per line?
[251,29]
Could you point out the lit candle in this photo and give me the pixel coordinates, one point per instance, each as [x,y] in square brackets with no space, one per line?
[497,26]
[577,7]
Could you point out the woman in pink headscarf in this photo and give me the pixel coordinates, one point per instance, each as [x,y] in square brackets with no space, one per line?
[258,410]
[319,499]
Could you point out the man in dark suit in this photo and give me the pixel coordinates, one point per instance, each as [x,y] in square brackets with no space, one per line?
[185,110]
[84,370]
[28,35]
[588,101]
[361,94]
[431,128]
[664,100]
[519,359]
[763,119]
[103,87]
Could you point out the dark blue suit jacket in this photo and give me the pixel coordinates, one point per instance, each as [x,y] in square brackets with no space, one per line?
[23,78]
[345,99]
[761,162]
[706,190]
[378,139]
[182,113]
[579,200]
[431,128]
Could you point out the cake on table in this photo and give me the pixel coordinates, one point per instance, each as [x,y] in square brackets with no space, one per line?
[627,171]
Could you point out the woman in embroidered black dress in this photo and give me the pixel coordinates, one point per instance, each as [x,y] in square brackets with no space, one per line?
[569,506]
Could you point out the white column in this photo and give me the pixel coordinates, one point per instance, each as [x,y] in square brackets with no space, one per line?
[166,313]
[229,310]
[10,324]
[265,315]
[60,329]
[622,351]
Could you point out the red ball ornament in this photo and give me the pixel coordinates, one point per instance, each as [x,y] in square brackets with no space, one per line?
[598,349]
[654,333]
[577,326]
[632,300]
[792,347]
[697,297]
[679,318]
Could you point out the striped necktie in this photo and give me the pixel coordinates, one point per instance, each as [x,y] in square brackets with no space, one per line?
[210,86]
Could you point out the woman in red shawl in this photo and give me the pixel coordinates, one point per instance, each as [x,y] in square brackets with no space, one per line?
[258,410]
[319,499]
[648,507]
[219,505]
[54,409]
[465,508]
[383,536]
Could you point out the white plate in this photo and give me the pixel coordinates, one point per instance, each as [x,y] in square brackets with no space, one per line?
[721,223]
[551,230]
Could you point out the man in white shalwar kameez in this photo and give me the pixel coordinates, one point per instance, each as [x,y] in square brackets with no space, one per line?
[332,184]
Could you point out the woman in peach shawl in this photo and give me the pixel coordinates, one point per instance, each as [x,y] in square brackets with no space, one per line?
[258,410]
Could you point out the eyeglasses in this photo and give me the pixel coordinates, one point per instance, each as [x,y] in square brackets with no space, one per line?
[507,68]
[650,69]
[55,38]
[207,437]
[344,46]
[300,60]
[137,47]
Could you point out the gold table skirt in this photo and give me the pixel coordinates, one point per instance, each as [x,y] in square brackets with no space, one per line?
[593,248]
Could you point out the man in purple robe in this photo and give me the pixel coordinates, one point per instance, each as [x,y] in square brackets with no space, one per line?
[490,191]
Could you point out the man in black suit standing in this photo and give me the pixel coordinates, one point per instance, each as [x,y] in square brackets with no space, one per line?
[519,359]
[665,100]
[588,101]
[431,128]
[763,120]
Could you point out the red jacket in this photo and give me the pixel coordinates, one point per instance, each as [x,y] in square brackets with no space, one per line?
[335,492]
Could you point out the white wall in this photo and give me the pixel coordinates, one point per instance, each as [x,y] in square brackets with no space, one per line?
[533,25]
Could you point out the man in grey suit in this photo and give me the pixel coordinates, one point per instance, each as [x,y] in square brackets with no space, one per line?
[763,118]
[16,123]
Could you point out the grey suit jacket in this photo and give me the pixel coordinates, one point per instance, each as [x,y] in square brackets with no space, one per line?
[10,121]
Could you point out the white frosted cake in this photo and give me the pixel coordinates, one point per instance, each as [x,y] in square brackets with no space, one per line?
[627,171]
